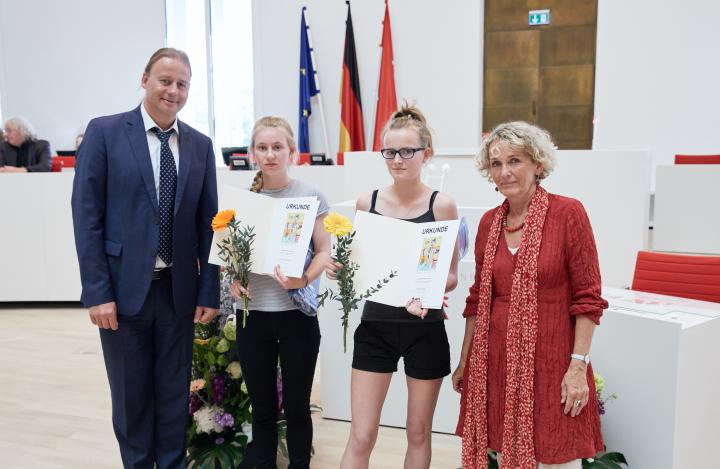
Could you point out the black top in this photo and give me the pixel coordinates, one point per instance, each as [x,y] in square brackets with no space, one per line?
[22,155]
[379,312]
[32,154]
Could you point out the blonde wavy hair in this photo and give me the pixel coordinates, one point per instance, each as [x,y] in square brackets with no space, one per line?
[531,139]
[264,123]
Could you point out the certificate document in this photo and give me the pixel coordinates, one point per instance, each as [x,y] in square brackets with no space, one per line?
[420,253]
[283,229]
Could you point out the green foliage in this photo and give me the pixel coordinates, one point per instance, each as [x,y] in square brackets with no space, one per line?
[611,460]
[493,460]
[236,251]
[347,296]
[225,455]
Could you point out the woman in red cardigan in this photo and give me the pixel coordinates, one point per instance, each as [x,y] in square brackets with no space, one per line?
[524,373]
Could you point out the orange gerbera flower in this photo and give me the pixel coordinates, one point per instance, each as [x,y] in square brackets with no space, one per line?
[222,219]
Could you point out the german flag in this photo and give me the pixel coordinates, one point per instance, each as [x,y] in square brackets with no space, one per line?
[352,132]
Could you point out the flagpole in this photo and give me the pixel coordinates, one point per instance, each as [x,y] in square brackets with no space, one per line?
[377,88]
[317,85]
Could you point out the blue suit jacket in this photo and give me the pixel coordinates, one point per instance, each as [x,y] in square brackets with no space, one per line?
[115,216]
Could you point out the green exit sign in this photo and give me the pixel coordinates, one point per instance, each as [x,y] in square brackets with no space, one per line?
[538,17]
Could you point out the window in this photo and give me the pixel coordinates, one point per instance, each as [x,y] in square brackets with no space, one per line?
[217,36]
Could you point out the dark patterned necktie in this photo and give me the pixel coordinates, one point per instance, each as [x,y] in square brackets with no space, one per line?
[166,202]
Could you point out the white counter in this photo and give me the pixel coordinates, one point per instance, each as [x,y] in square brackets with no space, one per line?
[37,244]
[659,355]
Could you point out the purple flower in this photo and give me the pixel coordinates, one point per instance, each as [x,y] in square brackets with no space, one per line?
[601,407]
[195,404]
[219,388]
[224,419]
[280,391]
[219,440]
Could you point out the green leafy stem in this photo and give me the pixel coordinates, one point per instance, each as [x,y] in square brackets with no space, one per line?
[235,252]
[347,296]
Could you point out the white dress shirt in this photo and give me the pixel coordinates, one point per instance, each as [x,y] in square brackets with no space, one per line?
[154,147]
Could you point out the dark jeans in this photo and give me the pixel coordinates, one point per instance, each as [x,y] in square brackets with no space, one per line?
[148,365]
[295,339]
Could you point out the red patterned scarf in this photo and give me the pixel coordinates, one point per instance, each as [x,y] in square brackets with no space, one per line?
[518,448]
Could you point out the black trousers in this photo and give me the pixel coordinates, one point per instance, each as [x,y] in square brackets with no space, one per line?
[148,366]
[295,338]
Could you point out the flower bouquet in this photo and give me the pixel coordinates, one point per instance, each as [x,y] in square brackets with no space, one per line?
[342,229]
[220,411]
[235,249]
[604,460]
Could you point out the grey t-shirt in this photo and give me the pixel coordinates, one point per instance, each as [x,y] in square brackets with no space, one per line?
[267,294]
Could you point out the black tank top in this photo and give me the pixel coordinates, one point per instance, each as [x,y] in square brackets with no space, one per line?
[379,312]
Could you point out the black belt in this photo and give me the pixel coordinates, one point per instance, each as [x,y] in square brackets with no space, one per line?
[159,274]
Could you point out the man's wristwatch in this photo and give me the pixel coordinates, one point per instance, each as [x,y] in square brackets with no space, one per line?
[582,358]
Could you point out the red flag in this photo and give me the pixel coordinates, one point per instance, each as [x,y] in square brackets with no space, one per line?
[352,132]
[387,99]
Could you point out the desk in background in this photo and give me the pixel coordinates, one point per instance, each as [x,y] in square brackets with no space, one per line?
[659,354]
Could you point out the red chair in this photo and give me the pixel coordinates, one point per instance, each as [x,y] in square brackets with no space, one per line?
[697,159]
[59,162]
[696,277]
[303,158]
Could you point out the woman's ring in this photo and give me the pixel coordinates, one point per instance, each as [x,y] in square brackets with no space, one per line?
[577,403]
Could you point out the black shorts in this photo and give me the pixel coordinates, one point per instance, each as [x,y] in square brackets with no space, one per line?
[424,348]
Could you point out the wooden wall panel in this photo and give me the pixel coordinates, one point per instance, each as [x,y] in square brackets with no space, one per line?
[510,87]
[567,85]
[541,74]
[493,116]
[504,15]
[566,12]
[512,49]
[573,45]
[567,124]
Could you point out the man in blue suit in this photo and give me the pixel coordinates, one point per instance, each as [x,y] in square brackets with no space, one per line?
[144,196]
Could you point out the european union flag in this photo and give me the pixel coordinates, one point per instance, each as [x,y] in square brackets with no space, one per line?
[308,87]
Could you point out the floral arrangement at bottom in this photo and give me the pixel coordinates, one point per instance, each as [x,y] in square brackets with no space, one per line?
[220,411]
[341,228]
[603,460]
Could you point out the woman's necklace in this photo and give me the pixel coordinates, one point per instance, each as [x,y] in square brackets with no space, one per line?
[512,229]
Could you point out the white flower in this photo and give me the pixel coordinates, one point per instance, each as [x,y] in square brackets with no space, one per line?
[246,428]
[233,370]
[205,419]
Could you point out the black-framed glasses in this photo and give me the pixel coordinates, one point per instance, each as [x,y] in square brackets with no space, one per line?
[405,153]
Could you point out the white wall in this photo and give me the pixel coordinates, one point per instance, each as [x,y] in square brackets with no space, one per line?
[656,77]
[438,63]
[63,63]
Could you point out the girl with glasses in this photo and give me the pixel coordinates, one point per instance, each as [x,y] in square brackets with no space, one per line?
[388,333]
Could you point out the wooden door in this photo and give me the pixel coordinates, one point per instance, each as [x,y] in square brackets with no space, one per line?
[541,74]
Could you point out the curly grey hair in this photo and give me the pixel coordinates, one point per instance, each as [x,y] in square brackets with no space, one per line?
[23,126]
[531,139]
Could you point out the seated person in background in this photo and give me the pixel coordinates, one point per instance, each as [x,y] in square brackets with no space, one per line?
[21,151]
